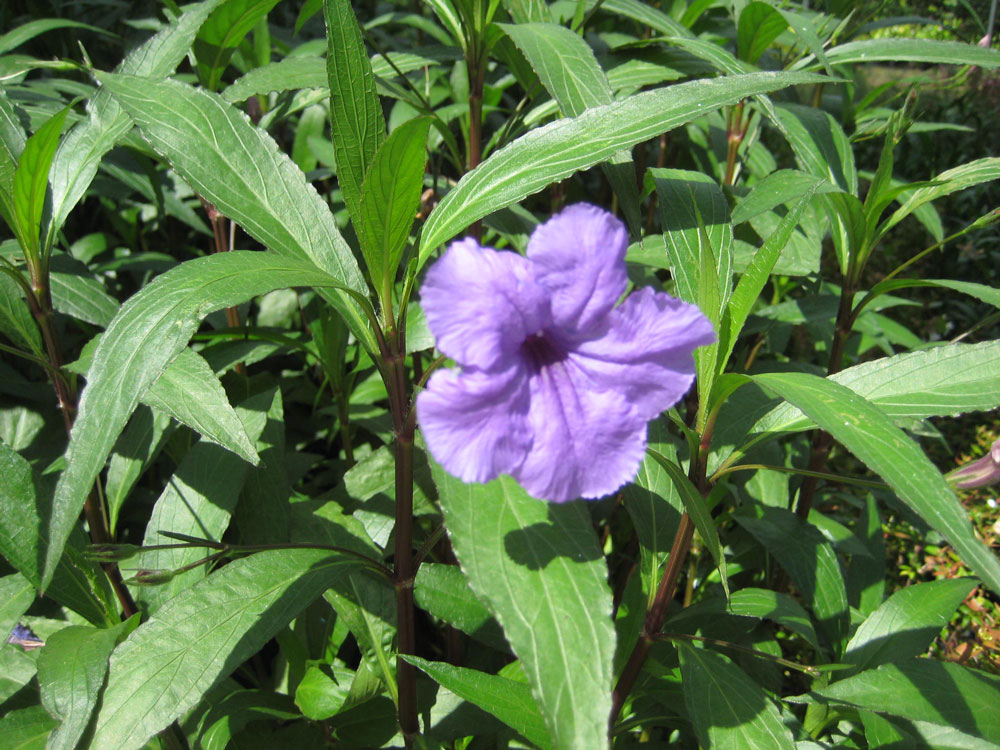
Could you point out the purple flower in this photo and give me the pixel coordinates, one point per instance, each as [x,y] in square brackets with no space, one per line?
[556,384]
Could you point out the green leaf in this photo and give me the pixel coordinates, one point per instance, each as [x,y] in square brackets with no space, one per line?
[508,700]
[16,595]
[71,669]
[727,708]
[988,294]
[198,500]
[367,604]
[869,434]
[24,539]
[783,186]
[355,110]
[906,623]
[390,198]
[775,606]
[943,381]
[646,15]
[866,574]
[26,31]
[137,446]
[31,182]
[695,220]
[262,515]
[149,331]
[222,33]
[16,321]
[913,50]
[755,278]
[442,591]
[655,507]
[950,181]
[538,568]
[924,690]
[26,728]
[83,148]
[240,170]
[809,560]
[823,150]
[165,666]
[759,25]
[567,67]
[693,209]
[12,140]
[550,153]
[696,508]
[191,393]
[82,298]
[309,72]
[17,668]
[323,691]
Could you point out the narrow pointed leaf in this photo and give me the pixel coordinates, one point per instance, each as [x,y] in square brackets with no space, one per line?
[508,700]
[71,669]
[727,708]
[390,198]
[198,500]
[82,149]
[356,120]
[906,623]
[924,690]
[166,665]
[146,335]
[567,67]
[239,169]
[870,435]
[538,568]
[555,151]
[950,181]
[913,50]
[222,33]
[31,182]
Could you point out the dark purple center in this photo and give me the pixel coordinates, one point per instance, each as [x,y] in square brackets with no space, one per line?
[541,350]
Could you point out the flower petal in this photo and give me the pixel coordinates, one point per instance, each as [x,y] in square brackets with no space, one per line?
[476,423]
[481,304]
[579,256]
[588,441]
[646,350]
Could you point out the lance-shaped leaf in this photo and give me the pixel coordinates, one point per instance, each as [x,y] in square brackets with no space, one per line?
[539,569]
[727,708]
[557,150]
[508,700]
[171,660]
[923,690]
[198,500]
[222,33]
[82,149]
[912,50]
[143,339]
[567,67]
[871,436]
[31,182]
[24,540]
[12,140]
[71,669]
[390,198]
[240,170]
[356,120]
[950,181]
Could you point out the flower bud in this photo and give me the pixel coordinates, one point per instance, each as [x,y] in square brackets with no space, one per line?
[979,473]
